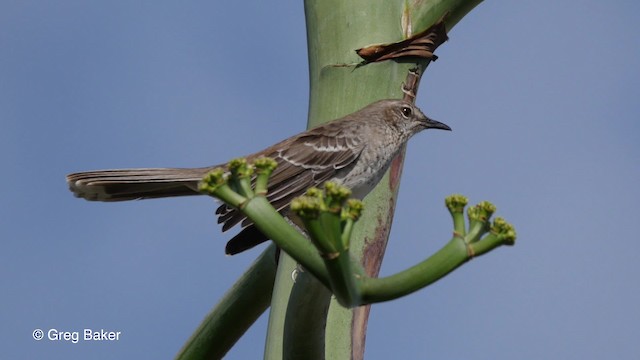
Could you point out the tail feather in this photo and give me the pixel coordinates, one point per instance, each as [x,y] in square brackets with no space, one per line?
[131,184]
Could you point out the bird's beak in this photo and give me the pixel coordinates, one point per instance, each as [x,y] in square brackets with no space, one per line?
[433,124]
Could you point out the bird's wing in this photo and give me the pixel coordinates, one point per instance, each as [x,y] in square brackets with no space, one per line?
[304,161]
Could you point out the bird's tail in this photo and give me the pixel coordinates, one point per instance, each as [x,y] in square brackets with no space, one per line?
[131,184]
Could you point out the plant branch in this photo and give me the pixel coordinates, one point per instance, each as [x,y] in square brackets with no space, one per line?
[238,309]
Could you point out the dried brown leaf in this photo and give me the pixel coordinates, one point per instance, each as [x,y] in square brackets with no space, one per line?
[421,45]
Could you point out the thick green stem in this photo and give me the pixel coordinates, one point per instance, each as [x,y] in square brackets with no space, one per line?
[335,28]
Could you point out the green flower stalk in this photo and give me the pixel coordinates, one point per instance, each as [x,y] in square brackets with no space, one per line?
[264,167]
[456,203]
[329,217]
[479,220]
[240,179]
[501,233]
[326,214]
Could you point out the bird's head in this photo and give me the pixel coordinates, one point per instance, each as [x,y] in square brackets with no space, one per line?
[408,118]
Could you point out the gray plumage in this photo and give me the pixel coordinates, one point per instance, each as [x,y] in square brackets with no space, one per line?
[354,151]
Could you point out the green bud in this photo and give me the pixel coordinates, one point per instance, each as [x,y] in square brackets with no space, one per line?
[503,230]
[236,163]
[481,212]
[487,208]
[335,195]
[314,192]
[307,207]
[336,191]
[352,210]
[456,202]
[263,164]
[212,180]
[240,168]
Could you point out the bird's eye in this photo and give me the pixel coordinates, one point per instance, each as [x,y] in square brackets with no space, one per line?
[406,111]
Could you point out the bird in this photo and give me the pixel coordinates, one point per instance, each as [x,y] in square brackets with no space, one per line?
[354,151]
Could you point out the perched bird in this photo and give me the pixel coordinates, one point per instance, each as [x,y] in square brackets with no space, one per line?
[354,151]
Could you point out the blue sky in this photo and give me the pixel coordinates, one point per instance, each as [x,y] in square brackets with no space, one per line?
[543,100]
